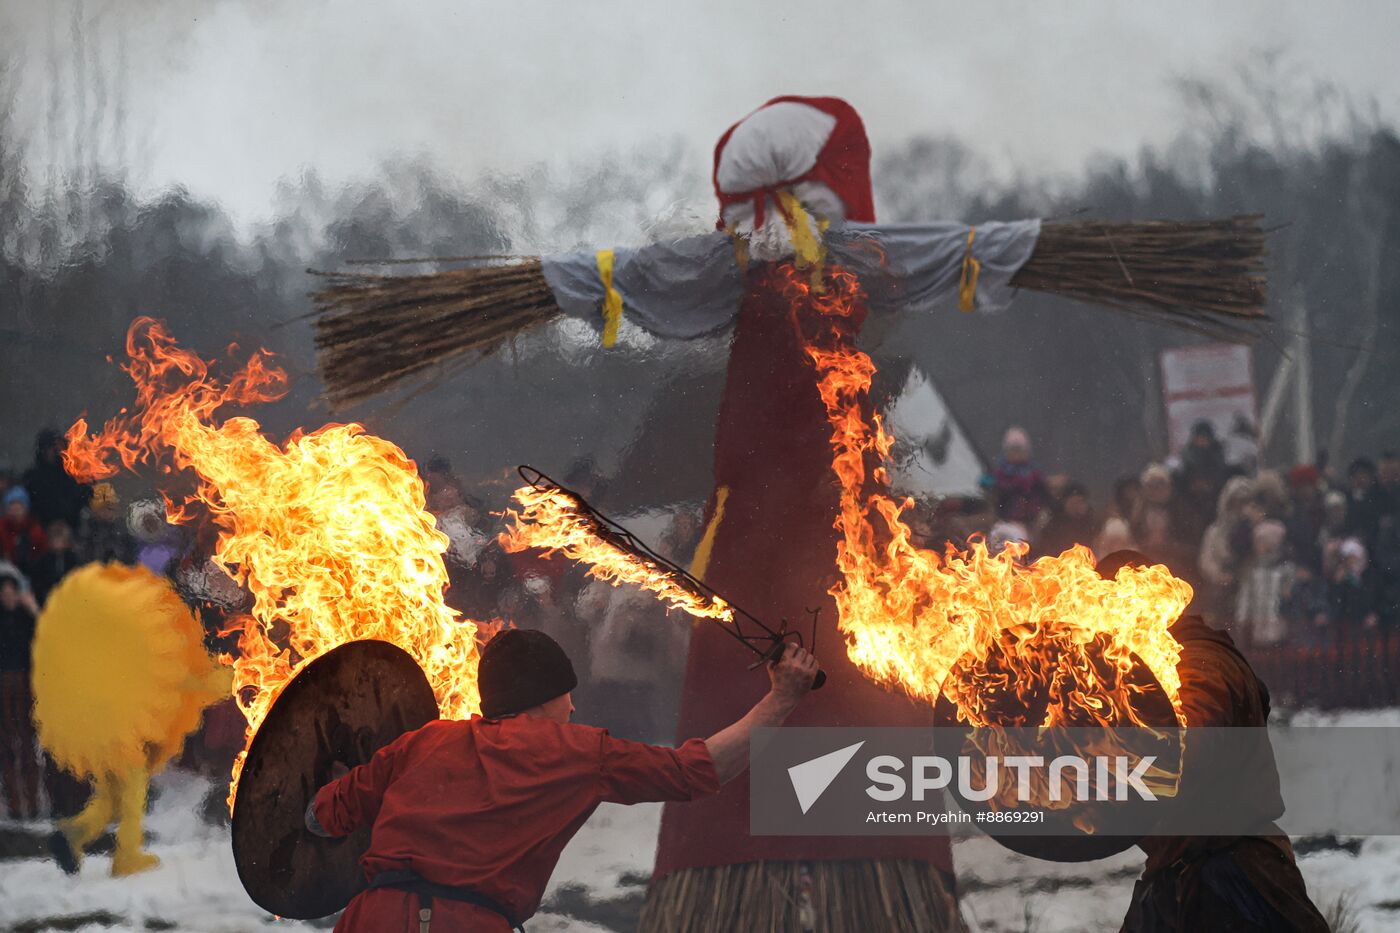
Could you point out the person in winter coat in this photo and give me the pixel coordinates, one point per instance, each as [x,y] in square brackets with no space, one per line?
[1264,583]
[470,816]
[1334,531]
[1072,521]
[1305,516]
[1117,532]
[1366,502]
[57,496]
[1388,474]
[1221,557]
[22,538]
[1351,588]
[1021,492]
[1157,524]
[629,648]
[1214,884]
[1385,565]
[103,537]
[1203,465]
[1305,608]
[1241,447]
[19,761]
[56,562]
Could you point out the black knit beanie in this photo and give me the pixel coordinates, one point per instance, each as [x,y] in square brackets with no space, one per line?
[1112,563]
[521,668]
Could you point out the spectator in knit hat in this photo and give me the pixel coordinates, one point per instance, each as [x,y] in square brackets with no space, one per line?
[22,538]
[103,536]
[1264,584]
[57,495]
[1019,485]
[1156,524]
[1222,558]
[1203,465]
[1350,591]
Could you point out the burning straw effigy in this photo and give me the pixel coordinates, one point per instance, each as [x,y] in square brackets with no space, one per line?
[786,511]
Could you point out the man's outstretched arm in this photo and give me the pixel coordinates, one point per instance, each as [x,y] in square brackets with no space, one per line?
[791,679]
[632,772]
[352,798]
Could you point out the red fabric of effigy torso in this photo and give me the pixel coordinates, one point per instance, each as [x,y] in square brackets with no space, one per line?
[774,554]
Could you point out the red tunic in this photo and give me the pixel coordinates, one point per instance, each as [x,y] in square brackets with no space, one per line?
[490,805]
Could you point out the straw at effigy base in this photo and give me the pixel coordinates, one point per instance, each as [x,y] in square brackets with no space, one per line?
[375,331]
[889,895]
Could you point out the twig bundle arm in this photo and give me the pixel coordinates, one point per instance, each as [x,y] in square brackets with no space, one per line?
[374,331]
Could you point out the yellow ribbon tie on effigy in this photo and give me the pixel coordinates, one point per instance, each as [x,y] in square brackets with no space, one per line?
[701,561]
[967,282]
[741,247]
[807,244]
[612,301]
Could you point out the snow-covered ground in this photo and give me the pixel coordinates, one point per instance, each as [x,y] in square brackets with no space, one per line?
[602,877]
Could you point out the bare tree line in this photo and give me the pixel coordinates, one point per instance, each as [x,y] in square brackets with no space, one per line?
[81,254]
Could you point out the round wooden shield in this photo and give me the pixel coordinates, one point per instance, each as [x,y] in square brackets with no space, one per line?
[341,708]
[1071,843]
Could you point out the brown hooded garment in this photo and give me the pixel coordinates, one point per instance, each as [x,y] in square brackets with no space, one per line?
[1201,884]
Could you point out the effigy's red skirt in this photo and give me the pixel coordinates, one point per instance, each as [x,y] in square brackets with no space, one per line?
[774,554]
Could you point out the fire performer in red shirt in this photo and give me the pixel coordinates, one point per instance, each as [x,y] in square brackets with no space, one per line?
[470,816]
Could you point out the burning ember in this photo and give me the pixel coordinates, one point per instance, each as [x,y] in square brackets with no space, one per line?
[1048,643]
[329,532]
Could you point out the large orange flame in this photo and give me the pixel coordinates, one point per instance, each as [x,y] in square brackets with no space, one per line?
[329,532]
[1041,644]
[551,520]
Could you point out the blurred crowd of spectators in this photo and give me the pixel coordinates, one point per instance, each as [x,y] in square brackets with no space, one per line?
[628,652]
[49,525]
[1305,555]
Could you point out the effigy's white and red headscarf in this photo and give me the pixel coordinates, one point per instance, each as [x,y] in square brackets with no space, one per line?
[794,160]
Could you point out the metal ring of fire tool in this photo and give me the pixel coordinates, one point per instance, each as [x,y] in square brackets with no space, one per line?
[1074,844]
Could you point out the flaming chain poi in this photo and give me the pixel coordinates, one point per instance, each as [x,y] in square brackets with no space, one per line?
[550,519]
[1006,641]
[329,532]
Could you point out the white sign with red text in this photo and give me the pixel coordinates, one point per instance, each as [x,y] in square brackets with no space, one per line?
[1211,382]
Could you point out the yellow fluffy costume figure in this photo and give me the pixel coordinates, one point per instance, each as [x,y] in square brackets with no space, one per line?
[120,678]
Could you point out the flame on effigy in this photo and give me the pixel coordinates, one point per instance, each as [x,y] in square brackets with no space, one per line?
[1045,643]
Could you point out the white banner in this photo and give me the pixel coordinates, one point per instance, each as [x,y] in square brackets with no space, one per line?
[1212,382]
